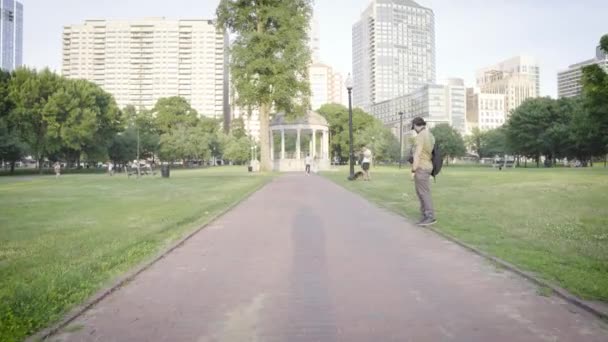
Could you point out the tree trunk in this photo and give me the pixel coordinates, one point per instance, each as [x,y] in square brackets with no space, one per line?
[526,162]
[40,161]
[265,160]
[13,162]
[537,162]
[605,160]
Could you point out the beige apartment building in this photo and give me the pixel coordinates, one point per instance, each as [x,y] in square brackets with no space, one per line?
[140,61]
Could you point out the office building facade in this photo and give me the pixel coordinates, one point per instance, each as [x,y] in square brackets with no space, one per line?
[485,111]
[436,103]
[517,79]
[569,80]
[393,51]
[11,35]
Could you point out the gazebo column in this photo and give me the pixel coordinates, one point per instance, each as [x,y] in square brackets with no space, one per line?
[314,144]
[271,144]
[325,144]
[298,144]
[282,144]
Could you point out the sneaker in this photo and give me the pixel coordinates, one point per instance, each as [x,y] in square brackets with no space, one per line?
[427,222]
[421,221]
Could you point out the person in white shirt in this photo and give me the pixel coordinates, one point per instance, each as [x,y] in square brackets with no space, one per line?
[308,162]
[367,160]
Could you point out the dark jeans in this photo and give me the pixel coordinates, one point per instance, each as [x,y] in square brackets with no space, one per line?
[422,180]
[307,168]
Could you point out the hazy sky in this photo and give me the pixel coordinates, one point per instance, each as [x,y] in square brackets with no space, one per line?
[470,33]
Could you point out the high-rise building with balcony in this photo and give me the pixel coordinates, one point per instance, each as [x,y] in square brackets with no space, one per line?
[140,61]
[569,80]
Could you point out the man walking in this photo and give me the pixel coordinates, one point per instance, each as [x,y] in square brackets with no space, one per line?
[308,161]
[422,167]
[57,168]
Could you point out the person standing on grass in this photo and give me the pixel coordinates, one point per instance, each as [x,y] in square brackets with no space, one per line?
[366,163]
[422,167]
[308,161]
[57,168]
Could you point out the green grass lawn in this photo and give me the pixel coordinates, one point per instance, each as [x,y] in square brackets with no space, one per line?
[63,239]
[550,222]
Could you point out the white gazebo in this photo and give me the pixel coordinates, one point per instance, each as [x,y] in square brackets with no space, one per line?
[312,127]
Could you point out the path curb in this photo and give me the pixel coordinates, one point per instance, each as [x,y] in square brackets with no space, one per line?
[560,292]
[123,280]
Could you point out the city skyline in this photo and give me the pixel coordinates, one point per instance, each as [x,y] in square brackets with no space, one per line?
[469,34]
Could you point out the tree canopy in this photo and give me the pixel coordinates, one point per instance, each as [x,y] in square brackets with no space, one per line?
[269,57]
[448,139]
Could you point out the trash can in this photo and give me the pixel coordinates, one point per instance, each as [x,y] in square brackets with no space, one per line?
[250,168]
[164,171]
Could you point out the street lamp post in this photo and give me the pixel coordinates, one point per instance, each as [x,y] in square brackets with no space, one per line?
[138,172]
[400,138]
[349,87]
[372,163]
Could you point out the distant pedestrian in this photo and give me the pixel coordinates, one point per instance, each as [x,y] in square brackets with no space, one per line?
[57,168]
[308,161]
[366,163]
[111,168]
[421,170]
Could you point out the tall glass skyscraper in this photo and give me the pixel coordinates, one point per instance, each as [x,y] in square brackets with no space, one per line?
[11,34]
[393,51]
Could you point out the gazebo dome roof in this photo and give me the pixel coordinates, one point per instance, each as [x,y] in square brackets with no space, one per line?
[310,119]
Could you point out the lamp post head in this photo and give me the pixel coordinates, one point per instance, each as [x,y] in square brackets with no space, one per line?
[349,82]
[401,114]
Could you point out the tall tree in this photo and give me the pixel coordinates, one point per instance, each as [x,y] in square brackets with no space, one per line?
[144,124]
[237,128]
[269,57]
[30,91]
[238,150]
[477,142]
[12,147]
[364,126]
[72,117]
[527,126]
[123,147]
[495,142]
[450,142]
[172,112]
[585,140]
[595,91]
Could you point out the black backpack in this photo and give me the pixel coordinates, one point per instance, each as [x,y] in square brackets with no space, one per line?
[437,160]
